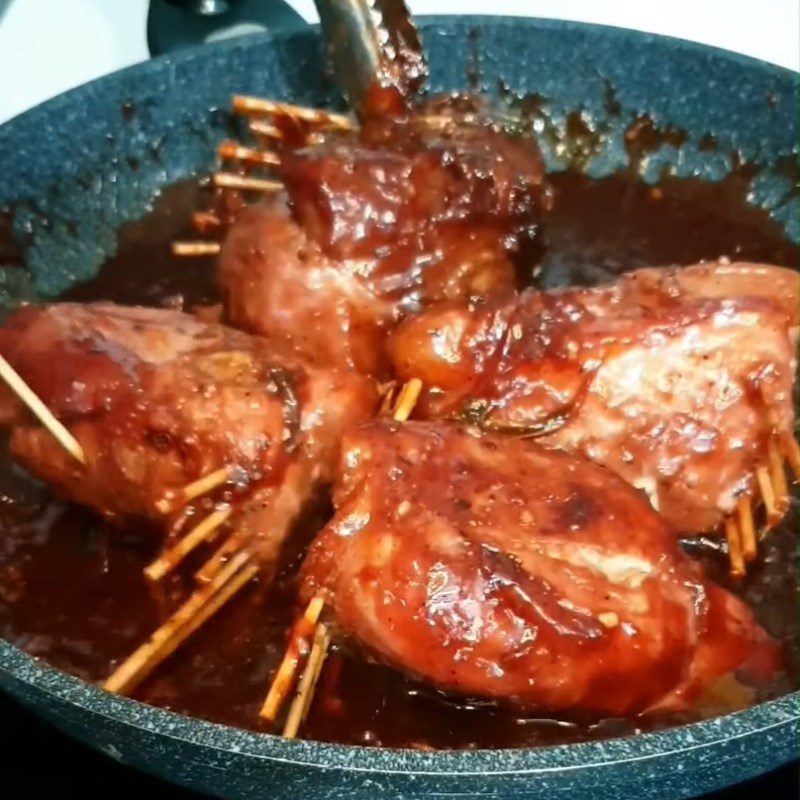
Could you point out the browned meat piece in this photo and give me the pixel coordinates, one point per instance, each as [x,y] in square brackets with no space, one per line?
[379,224]
[677,379]
[492,567]
[402,185]
[278,283]
[158,399]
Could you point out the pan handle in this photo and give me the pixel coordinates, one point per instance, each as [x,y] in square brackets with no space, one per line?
[173,24]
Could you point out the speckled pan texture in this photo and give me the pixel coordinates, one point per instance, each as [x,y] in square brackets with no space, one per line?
[77,167]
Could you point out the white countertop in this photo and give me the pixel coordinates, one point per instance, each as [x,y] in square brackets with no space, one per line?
[48,46]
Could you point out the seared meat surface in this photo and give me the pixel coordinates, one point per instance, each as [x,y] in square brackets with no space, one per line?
[158,399]
[278,283]
[496,568]
[674,378]
[377,224]
[404,183]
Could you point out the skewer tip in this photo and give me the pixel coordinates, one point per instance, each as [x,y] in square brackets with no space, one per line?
[287,670]
[196,248]
[747,528]
[174,498]
[228,180]
[173,556]
[232,150]
[735,554]
[41,411]
[407,399]
[301,704]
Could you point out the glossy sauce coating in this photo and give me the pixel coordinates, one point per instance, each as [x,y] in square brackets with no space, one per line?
[158,399]
[497,568]
[675,378]
[596,230]
[377,224]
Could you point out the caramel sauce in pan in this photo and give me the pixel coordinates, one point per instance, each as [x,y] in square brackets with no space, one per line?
[72,590]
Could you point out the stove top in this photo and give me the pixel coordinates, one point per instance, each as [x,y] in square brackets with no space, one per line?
[172,24]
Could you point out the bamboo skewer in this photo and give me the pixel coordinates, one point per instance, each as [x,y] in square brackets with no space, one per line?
[243,104]
[193,490]
[308,682]
[234,150]
[186,620]
[285,676]
[767,494]
[205,221]
[778,476]
[792,452]
[407,399]
[196,248]
[211,568]
[228,180]
[734,548]
[170,559]
[261,128]
[747,528]
[175,525]
[41,411]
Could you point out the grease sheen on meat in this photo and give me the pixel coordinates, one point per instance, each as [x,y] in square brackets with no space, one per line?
[673,378]
[495,568]
[378,224]
[157,399]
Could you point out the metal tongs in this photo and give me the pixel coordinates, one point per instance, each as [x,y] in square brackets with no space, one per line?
[375,51]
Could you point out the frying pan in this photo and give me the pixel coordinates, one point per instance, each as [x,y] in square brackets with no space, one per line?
[79,166]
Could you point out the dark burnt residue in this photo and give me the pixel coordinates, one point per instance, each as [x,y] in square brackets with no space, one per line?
[144,271]
[597,229]
[644,136]
[231,125]
[11,253]
[579,136]
[582,140]
[611,104]
[528,113]
[741,169]
[788,168]
[707,143]
[575,141]
[474,63]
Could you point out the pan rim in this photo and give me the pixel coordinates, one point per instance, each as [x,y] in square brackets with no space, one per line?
[781,714]
[771,715]
[423,21]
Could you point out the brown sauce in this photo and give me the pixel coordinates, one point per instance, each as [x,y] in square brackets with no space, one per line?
[72,591]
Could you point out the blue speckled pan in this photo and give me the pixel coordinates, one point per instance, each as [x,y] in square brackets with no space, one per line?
[79,166]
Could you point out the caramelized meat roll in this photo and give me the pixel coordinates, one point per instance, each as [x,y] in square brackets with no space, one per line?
[680,380]
[377,224]
[158,399]
[495,568]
